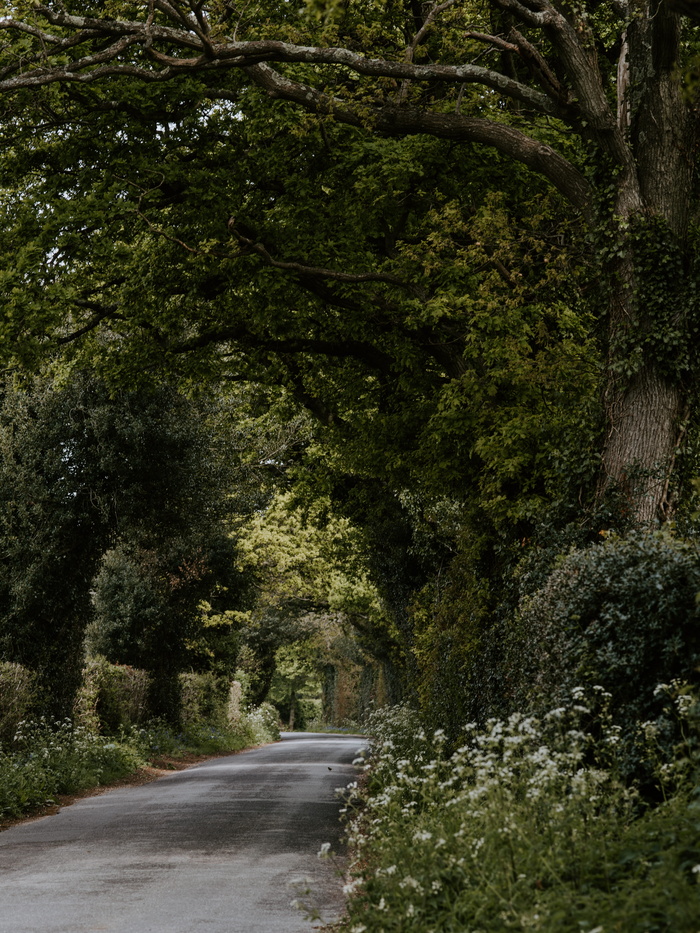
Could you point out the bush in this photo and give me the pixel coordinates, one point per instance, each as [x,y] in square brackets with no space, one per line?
[262,724]
[113,697]
[205,699]
[528,826]
[17,693]
[254,727]
[622,614]
[41,760]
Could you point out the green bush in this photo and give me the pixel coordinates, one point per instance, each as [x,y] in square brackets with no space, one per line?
[40,760]
[622,614]
[253,727]
[527,826]
[262,724]
[113,697]
[17,693]
[205,699]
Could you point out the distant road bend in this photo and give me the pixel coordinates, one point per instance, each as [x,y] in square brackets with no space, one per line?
[221,847]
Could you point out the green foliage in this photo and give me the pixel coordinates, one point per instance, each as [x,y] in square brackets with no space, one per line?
[204,699]
[434,305]
[111,738]
[47,759]
[112,698]
[314,596]
[295,690]
[17,695]
[54,506]
[113,509]
[622,614]
[263,723]
[526,826]
[667,304]
[450,615]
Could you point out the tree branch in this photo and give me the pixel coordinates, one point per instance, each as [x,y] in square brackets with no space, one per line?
[404,121]
[232,54]
[352,278]
[390,120]
[100,315]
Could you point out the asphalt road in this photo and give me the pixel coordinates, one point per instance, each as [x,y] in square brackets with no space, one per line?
[221,847]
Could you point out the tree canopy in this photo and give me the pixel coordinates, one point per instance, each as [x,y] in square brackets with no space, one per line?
[461,235]
[278,186]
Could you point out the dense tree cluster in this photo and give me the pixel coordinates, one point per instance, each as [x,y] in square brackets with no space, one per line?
[114,504]
[460,235]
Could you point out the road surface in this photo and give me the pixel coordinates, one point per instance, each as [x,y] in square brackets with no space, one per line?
[221,847]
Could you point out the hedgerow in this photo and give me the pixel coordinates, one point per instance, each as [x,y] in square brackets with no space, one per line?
[622,614]
[110,736]
[527,826]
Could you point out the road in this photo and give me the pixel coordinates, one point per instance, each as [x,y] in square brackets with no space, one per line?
[220,847]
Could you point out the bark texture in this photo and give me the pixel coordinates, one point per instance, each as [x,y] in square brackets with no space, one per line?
[644,409]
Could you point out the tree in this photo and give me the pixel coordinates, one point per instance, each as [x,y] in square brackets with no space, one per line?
[122,494]
[606,75]
[170,545]
[53,529]
[317,615]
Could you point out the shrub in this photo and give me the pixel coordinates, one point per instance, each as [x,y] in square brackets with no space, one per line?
[262,723]
[205,699]
[50,759]
[113,697]
[527,826]
[253,727]
[622,614]
[17,693]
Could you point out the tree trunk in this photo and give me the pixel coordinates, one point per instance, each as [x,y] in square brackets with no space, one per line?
[292,706]
[640,447]
[644,408]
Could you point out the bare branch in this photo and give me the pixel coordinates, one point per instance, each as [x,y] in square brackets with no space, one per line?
[534,14]
[497,42]
[539,67]
[425,28]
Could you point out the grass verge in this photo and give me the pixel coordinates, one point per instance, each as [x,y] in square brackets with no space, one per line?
[49,764]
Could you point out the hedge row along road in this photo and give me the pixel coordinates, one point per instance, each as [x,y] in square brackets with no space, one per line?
[221,847]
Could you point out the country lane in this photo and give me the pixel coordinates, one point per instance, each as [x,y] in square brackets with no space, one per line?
[221,847]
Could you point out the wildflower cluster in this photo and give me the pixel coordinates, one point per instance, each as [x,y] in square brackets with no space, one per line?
[46,759]
[262,724]
[526,826]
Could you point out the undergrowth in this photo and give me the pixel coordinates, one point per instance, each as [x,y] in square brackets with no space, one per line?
[45,760]
[527,826]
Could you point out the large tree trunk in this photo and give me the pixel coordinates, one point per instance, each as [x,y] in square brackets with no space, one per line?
[645,394]
[643,434]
